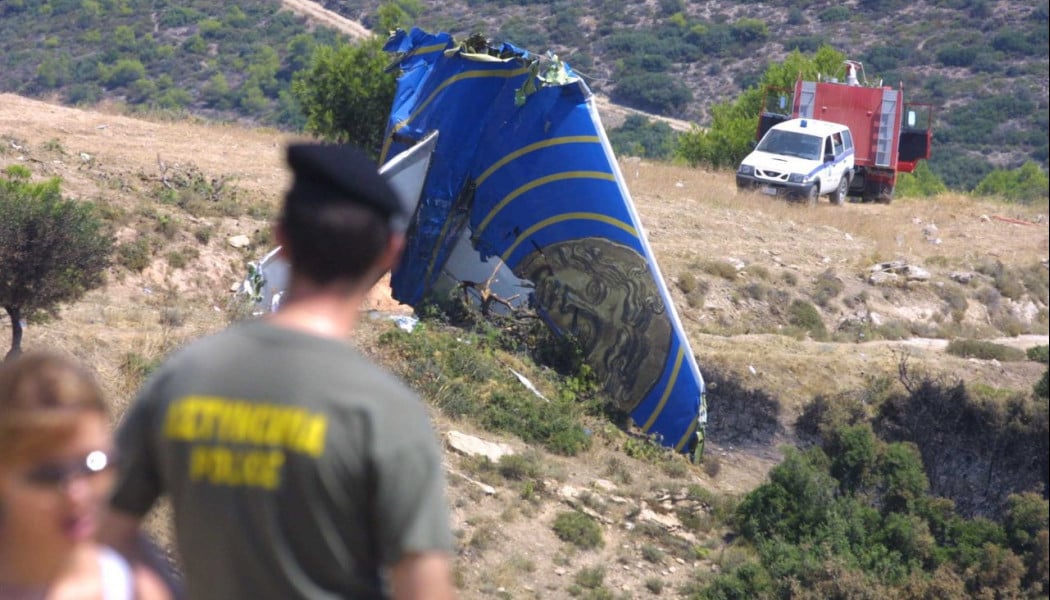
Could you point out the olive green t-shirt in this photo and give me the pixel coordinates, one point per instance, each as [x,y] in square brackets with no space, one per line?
[295,466]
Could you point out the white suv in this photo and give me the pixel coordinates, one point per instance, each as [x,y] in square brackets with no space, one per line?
[802,159]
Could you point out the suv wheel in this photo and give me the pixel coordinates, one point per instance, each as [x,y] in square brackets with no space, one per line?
[813,193]
[839,195]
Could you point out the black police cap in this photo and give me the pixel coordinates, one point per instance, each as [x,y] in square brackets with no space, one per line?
[333,173]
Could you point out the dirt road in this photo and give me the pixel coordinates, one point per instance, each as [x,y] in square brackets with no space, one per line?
[1021,342]
[613,115]
[318,13]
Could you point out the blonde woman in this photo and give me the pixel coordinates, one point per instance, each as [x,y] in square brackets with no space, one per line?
[56,469]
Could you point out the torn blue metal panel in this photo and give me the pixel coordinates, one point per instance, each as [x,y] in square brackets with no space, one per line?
[524,171]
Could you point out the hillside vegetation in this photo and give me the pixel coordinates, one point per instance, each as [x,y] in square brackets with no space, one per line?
[981,64]
[877,428]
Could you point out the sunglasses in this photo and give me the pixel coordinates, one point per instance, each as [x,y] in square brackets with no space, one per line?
[59,474]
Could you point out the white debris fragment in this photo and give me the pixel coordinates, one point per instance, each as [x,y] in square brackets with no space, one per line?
[405,322]
[528,384]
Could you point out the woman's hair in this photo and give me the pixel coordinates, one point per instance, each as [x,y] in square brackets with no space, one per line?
[42,396]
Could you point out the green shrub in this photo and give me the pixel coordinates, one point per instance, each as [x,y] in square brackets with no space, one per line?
[484,536]
[675,467]
[638,136]
[698,521]
[136,255]
[171,316]
[203,234]
[835,14]
[922,182]
[652,554]
[719,268]
[578,529]
[984,350]
[618,471]
[1036,279]
[828,286]
[644,448]
[1028,515]
[695,300]
[167,226]
[520,466]
[590,578]
[758,271]
[1008,282]
[955,298]
[1042,387]
[989,266]
[137,367]
[54,145]
[824,414]
[747,581]
[687,282]
[178,259]
[892,330]
[1009,324]
[805,316]
[1002,432]
[853,451]
[1024,184]
[659,93]
[697,293]
[712,465]
[757,290]
[654,585]
[1039,354]
[461,373]
[521,414]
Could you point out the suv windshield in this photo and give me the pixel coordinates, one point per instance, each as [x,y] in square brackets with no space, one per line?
[790,143]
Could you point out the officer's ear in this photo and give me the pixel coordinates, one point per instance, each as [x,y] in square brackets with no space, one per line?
[391,255]
[281,238]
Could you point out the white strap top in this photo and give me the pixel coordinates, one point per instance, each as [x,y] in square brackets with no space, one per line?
[117,581]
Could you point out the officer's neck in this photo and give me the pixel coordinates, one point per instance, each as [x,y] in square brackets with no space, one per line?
[331,311]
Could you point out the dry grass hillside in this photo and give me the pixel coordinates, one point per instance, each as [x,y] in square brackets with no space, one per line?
[178,192]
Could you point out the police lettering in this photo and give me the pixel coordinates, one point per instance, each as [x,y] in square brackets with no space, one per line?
[219,465]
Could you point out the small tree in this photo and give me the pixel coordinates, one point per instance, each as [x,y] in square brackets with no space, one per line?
[346,93]
[639,136]
[923,182]
[1024,184]
[52,250]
